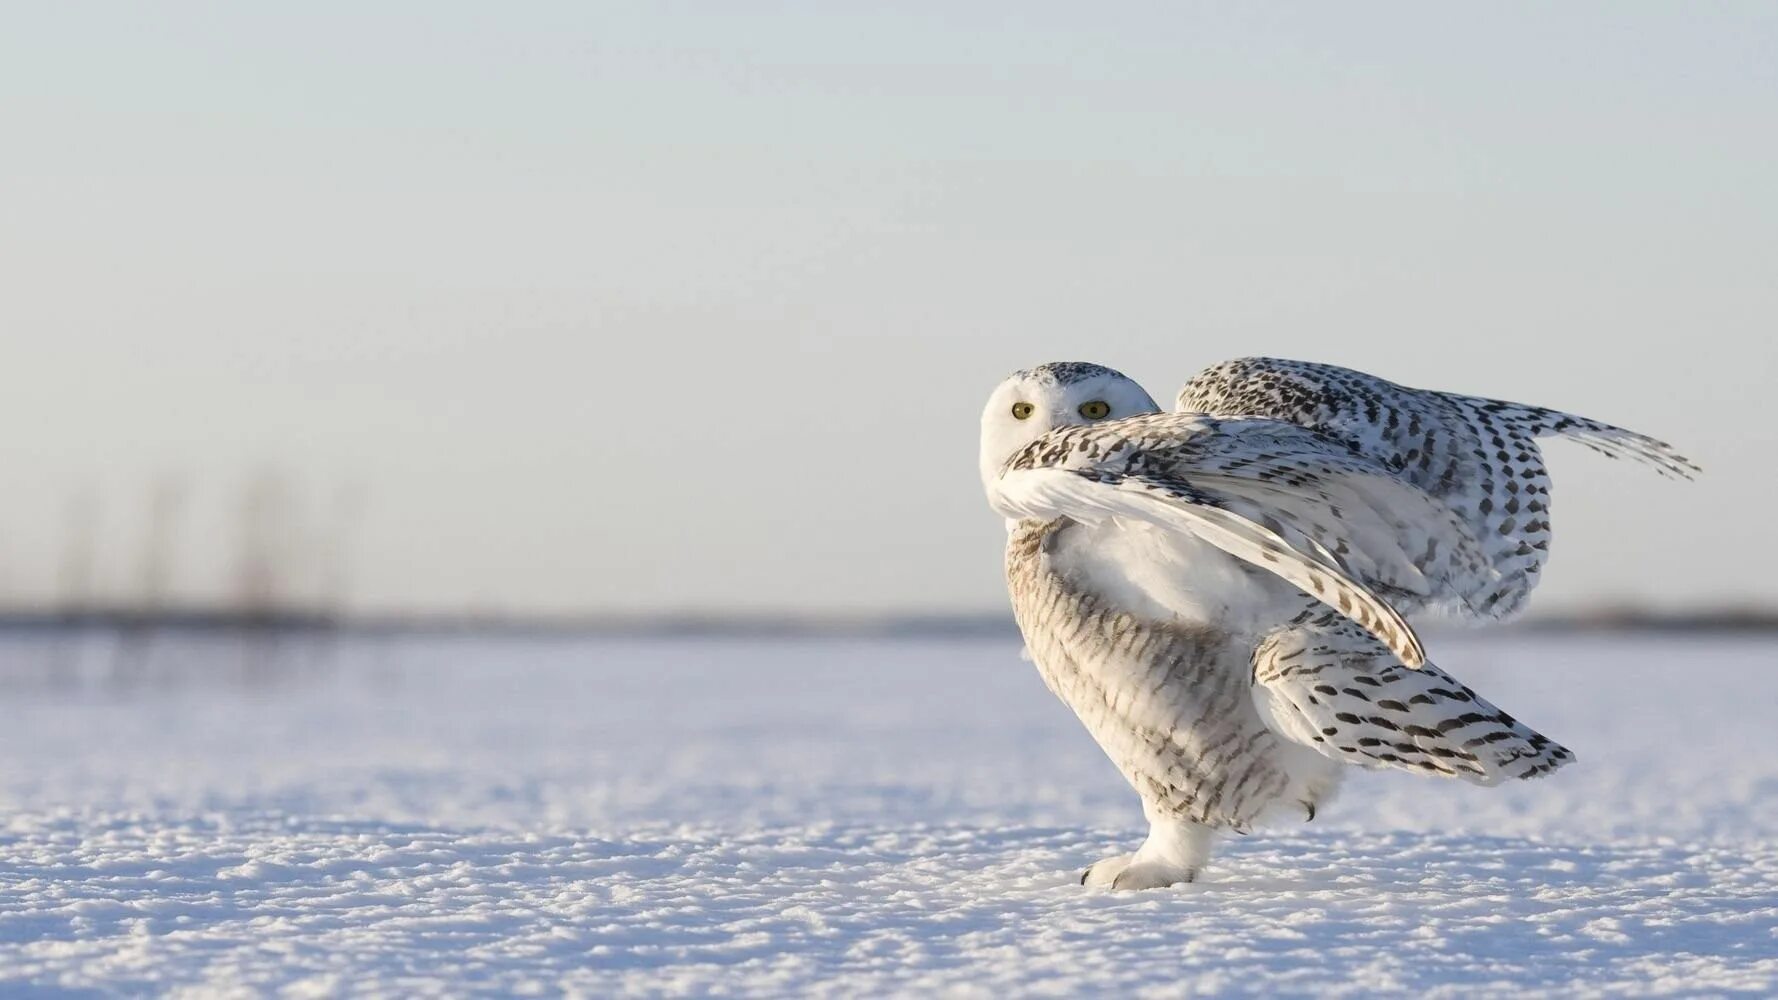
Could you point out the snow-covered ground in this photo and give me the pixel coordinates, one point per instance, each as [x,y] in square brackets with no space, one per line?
[414,817]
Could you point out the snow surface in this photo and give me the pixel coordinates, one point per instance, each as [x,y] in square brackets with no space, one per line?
[411,817]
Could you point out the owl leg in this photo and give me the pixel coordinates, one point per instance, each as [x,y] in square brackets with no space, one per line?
[1173,853]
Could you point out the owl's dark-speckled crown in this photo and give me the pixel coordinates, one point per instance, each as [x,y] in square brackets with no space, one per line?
[1067,372]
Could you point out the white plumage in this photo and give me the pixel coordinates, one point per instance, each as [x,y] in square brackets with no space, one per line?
[1222,595]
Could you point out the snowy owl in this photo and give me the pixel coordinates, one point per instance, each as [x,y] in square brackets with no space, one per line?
[1219,593]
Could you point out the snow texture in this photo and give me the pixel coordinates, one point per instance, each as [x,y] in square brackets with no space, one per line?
[827,817]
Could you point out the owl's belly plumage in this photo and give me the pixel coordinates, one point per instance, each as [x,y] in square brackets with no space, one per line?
[1163,682]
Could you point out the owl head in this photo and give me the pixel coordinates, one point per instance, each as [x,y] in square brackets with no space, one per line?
[1035,401]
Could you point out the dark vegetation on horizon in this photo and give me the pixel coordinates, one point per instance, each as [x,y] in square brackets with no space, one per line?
[744,625]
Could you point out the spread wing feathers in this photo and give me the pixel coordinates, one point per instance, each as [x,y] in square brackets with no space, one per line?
[1606,439]
[1478,456]
[1284,499]
[1334,689]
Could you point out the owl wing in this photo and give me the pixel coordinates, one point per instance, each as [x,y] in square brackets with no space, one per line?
[1333,688]
[1478,456]
[1285,499]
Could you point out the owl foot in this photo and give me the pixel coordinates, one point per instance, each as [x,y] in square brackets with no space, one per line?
[1172,854]
[1126,871]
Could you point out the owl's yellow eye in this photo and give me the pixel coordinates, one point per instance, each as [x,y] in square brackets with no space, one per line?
[1095,409]
[1021,410]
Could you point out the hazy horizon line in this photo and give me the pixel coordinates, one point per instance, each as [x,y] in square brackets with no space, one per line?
[763,623]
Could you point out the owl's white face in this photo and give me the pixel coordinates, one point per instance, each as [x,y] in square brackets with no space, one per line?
[1038,400]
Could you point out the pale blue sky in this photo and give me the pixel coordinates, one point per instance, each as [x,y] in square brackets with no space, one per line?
[671,306]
